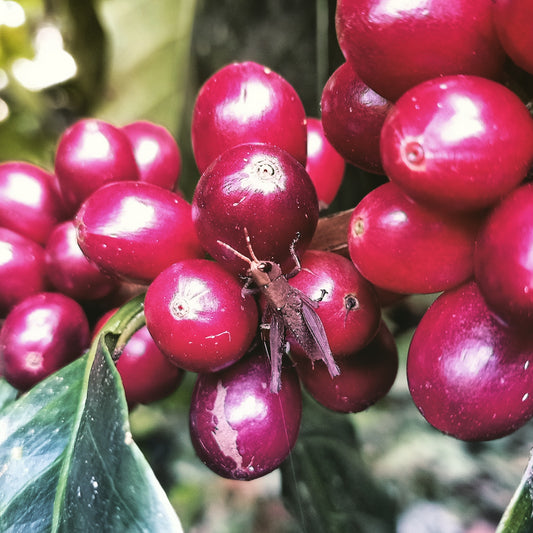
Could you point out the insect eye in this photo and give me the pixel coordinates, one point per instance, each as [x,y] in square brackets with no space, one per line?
[265,267]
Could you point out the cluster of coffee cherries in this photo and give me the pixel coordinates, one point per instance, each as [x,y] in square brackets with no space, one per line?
[455,216]
[456,145]
[110,222]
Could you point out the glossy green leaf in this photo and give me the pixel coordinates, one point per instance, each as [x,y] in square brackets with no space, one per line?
[326,484]
[518,516]
[67,458]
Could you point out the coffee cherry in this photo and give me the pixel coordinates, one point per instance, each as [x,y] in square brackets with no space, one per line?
[244,103]
[458,142]
[22,269]
[198,317]
[30,200]
[352,118]
[40,335]
[502,258]
[512,20]
[238,427]
[262,188]
[156,152]
[366,376]
[394,46]
[90,154]
[347,304]
[325,165]
[70,271]
[134,230]
[404,247]
[146,373]
[470,375]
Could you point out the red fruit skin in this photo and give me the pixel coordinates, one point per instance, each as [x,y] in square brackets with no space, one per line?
[406,248]
[30,201]
[261,188]
[325,165]
[70,271]
[134,230]
[469,375]
[502,258]
[365,377]
[147,374]
[512,19]
[156,152]
[198,317]
[101,322]
[458,142]
[394,46]
[349,309]
[22,269]
[238,427]
[247,102]
[40,335]
[89,154]
[352,118]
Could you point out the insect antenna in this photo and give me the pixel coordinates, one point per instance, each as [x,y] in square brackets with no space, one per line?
[253,259]
[249,246]
[235,252]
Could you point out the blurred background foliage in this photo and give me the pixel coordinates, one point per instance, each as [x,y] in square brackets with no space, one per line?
[124,60]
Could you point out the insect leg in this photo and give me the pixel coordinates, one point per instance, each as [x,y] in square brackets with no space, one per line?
[295,257]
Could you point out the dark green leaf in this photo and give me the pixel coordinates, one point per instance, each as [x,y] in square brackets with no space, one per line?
[67,458]
[326,484]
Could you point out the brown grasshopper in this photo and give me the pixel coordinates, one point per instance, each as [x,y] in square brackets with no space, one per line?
[287,309]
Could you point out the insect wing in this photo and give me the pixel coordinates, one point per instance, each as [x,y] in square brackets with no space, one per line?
[318,334]
[277,349]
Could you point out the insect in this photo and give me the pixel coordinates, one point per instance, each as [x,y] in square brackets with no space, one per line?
[287,310]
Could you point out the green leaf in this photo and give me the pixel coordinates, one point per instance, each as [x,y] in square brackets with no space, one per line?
[518,517]
[7,393]
[149,70]
[326,484]
[67,458]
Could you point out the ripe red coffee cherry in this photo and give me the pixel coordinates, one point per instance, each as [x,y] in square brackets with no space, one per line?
[394,46]
[502,258]
[512,19]
[156,152]
[135,230]
[469,375]
[238,427]
[325,165]
[404,247]
[346,302]
[146,373]
[40,335]
[366,376]
[262,188]
[352,118]
[458,142]
[247,102]
[89,154]
[22,269]
[198,317]
[30,201]
[70,271]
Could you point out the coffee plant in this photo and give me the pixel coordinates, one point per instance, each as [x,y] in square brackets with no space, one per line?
[266,268]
